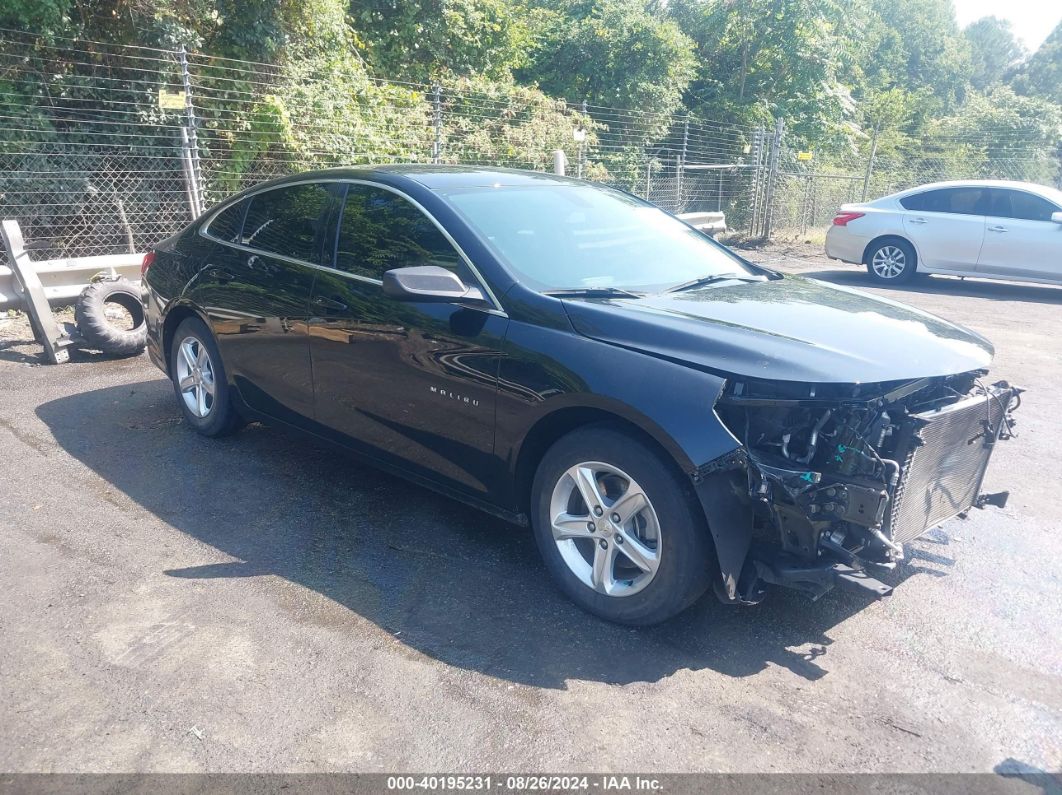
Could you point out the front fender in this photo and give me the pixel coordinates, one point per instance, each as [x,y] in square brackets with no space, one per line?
[544,370]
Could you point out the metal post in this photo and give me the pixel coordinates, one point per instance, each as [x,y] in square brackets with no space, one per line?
[682,164]
[188,173]
[648,175]
[772,178]
[582,150]
[436,148]
[757,178]
[559,161]
[805,208]
[192,140]
[870,162]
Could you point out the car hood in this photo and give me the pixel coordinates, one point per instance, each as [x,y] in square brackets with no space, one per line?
[787,329]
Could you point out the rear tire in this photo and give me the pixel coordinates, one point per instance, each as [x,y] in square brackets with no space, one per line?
[646,557]
[199,380]
[891,261]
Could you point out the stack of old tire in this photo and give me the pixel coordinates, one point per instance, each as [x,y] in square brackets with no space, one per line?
[97,331]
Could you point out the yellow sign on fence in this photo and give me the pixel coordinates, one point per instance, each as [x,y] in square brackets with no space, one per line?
[804,155]
[171,100]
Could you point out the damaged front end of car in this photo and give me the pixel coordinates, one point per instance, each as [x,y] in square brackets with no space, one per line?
[831,480]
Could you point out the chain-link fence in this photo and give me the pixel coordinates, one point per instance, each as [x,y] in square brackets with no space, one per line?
[109,148]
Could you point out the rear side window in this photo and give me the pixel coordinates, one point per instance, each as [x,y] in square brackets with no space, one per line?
[1020,205]
[226,224]
[288,221]
[959,201]
[380,230]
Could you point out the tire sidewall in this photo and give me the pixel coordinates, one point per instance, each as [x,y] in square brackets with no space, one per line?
[91,319]
[910,261]
[684,547]
[219,420]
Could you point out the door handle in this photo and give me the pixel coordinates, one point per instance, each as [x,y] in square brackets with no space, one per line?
[329,303]
[918,220]
[997,229]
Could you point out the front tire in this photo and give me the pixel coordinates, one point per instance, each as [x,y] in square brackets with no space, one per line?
[892,261]
[618,529]
[199,380]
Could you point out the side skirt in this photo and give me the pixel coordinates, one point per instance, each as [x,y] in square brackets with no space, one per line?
[513,517]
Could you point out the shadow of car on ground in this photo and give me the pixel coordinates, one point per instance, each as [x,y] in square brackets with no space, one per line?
[447,580]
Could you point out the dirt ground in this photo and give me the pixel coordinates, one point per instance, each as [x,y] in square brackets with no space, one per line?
[173,603]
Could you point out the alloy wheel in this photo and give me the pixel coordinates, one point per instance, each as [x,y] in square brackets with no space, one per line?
[889,262]
[195,376]
[605,528]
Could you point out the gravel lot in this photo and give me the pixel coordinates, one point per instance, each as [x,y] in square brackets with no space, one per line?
[172,603]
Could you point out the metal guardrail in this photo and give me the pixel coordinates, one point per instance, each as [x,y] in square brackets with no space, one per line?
[710,223]
[34,286]
[64,279]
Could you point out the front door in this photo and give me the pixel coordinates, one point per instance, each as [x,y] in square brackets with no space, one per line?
[413,382]
[1021,240]
[947,227]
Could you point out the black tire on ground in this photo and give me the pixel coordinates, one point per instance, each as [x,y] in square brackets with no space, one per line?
[893,251]
[685,551]
[221,418]
[97,331]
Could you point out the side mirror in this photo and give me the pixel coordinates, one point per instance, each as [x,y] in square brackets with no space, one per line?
[1057,217]
[428,283]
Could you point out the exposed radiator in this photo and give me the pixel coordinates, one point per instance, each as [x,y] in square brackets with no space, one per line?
[944,463]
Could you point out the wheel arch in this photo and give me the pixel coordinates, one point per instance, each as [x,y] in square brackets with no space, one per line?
[551,427]
[877,241]
[176,315]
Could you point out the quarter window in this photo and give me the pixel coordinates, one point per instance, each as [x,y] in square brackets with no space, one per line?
[379,230]
[1021,205]
[288,221]
[226,224]
[958,201]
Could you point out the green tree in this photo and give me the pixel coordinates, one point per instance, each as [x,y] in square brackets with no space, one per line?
[999,134]
[1041,75]
[916,45]
[614,53]
[993,51]
[422,40]
[762,59]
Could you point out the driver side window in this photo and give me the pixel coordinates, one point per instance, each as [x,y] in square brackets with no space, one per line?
[380,230]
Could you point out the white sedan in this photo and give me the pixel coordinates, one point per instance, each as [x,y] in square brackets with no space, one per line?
[986,228]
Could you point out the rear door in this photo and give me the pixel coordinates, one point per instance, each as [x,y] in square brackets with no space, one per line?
[947,226]
[415,381]
[1020,238]
[256,291]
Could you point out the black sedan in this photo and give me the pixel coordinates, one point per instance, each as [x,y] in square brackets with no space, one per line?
[666,416]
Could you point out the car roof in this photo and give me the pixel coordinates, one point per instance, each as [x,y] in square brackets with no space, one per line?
[1031,187]
[437,177]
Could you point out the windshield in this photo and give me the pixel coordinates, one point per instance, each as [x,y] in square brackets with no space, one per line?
[578,237]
